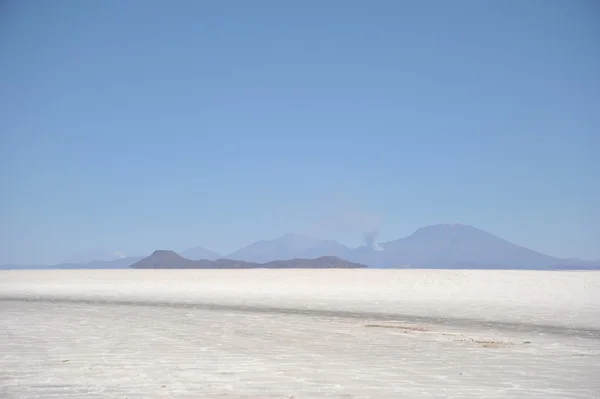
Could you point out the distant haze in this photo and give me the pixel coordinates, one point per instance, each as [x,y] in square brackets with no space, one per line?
[444,246]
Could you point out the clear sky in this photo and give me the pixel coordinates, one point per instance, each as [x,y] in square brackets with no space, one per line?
[137,125]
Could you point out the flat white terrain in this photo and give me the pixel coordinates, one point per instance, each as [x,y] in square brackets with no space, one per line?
[299,334]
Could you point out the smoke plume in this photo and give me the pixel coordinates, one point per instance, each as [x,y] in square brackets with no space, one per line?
[371,240]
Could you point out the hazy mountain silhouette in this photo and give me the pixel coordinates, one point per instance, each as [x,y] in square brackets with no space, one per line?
[199,252]
[438,246]
[455,246]
[163,259]
[122,263]
[577,264]
[443,246]
[290,246]
[94,255]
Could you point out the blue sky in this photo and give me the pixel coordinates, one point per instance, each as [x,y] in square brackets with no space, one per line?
[137,125]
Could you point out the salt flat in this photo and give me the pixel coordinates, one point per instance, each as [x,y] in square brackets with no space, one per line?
[299,333]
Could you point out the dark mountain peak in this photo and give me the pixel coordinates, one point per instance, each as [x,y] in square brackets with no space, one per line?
[164,252]
[171,260]
[163,259]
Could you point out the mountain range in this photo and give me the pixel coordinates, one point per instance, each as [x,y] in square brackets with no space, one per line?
[121,263]
[438,246]
[443,246]
[290,246]
[162,259]
[95,256]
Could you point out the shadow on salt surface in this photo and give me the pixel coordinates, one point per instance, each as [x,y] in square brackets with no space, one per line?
[471,323]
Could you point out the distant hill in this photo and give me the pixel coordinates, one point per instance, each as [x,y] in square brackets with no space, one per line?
[199,252]
[94,256]
[456,246]
[577,264]
[290,246]
[162,259]
[122,263]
